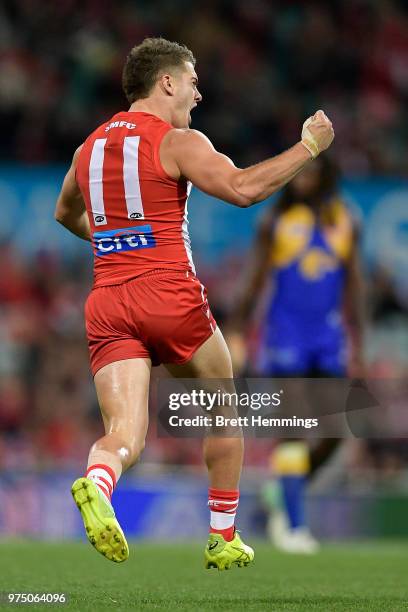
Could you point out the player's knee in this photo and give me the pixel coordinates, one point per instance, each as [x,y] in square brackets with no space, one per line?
[136,448]
[129,447]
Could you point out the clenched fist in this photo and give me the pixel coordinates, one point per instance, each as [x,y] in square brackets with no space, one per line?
[317,133]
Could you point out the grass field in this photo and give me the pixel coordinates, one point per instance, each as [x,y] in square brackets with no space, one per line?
[171,577]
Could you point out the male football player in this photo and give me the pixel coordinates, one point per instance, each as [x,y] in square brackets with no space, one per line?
[306,245]
[126,192]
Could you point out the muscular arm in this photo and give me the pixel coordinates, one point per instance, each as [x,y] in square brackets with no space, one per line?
[70,210]
[190,154]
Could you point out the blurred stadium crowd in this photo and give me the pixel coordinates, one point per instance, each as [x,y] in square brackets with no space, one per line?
[61,62]
[60,69]
[48,410]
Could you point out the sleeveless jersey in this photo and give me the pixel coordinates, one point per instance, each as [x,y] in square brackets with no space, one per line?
[303,328]
[137,213]
[308,260]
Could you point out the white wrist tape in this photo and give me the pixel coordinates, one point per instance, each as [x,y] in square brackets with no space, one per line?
[308,139]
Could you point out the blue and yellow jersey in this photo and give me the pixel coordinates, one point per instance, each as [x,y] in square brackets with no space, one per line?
[303,329]
[308,258]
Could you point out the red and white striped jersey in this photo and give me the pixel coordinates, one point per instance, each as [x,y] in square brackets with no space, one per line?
[138,214]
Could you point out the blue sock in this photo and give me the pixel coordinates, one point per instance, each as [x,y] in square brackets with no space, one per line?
[293,496]
[291,464]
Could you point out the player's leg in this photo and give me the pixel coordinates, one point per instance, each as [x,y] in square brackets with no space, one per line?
[331,363]
[293,462]
[285,354]
[287,523]
[223,457]
[122,389]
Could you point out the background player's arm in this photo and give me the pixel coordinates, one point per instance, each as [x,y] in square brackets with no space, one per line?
[190,154]
[70,210]
[258,269]
[247,299]
[354,308]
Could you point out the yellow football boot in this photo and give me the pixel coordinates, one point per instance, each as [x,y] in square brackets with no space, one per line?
[223,555]
[101,526]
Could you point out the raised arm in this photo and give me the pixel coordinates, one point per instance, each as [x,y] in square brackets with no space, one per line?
[70,210]
[190,154]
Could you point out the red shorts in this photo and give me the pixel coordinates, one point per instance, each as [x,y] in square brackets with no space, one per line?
[162,315]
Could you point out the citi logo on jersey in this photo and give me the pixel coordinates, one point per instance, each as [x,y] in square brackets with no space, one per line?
[119,124]
[125,239]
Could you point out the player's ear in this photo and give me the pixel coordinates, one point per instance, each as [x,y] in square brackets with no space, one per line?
[166,82]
